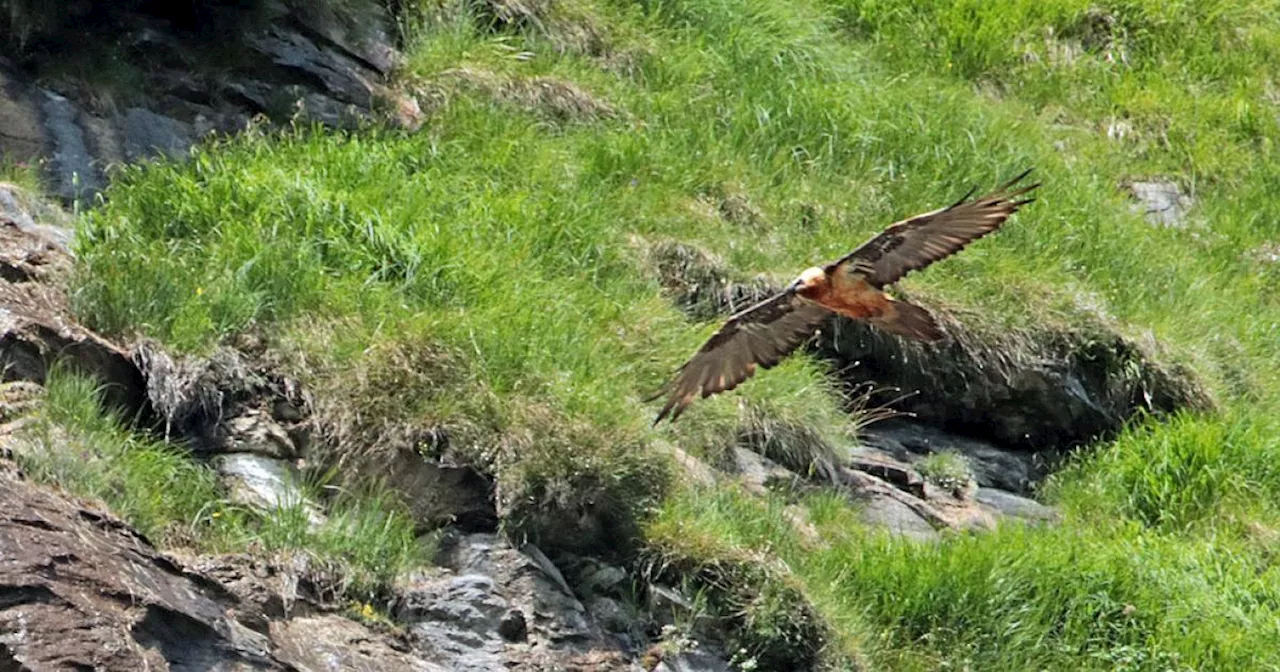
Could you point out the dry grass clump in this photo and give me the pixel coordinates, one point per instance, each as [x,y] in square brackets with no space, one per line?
[698,281]
[568,27]
[799,446]
[403,411]
[192,396]
[557,100]
[735,206]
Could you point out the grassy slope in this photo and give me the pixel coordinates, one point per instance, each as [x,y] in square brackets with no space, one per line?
[504,238]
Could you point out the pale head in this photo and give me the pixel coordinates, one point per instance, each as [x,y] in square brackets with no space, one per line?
[812,277]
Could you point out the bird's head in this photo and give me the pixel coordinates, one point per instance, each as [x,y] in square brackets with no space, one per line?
[812,278]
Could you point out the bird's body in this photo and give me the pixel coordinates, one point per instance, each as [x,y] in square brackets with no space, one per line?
[851,297]
[852,286]
[855,298]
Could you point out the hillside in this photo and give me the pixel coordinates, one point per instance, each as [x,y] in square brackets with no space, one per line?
[443,327]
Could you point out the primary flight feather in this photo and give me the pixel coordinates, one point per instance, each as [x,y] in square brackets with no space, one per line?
[761,336]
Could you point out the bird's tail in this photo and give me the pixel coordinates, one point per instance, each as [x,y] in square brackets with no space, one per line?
[910,320]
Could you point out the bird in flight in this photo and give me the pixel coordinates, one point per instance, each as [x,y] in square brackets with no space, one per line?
[760,336]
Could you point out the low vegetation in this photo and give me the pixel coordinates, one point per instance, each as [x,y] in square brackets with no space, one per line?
[22,174]
[503,248]
[947,469]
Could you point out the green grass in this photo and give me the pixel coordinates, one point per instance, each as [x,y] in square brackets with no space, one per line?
[366,541]
[23,174]
[745,597]
[78,445]
[1183,476]
[509,238]
[1118,596]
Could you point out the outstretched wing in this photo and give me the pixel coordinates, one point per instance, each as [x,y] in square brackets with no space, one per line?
[757,337]
[914,243]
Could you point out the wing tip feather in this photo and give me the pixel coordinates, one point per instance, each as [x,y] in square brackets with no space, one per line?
[969,194]
[1018,179]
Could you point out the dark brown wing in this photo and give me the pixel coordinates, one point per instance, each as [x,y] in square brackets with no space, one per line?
[914,243]
[757,337]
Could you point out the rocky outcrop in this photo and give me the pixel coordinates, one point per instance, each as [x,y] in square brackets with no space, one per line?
[265,483]
[445,494]
[692,661]
[37,331]
[1009,405]
[22,129]
[1042,390]
[900,496]
[247,416]
[492,606]
[909,443]
[79,589]
[247,419]
[758,473]
[1009,505]
[287,61]
[910,479]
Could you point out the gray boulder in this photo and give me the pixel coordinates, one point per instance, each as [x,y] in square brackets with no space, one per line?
[1161,202]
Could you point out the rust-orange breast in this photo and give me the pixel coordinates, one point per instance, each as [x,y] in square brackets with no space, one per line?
[851,297]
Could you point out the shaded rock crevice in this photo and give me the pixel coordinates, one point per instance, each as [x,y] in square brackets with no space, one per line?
[37,331]
[491,605]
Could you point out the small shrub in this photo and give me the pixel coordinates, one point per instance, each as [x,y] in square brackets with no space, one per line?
[946,469]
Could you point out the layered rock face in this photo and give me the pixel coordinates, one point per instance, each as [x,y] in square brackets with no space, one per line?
[79,589]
